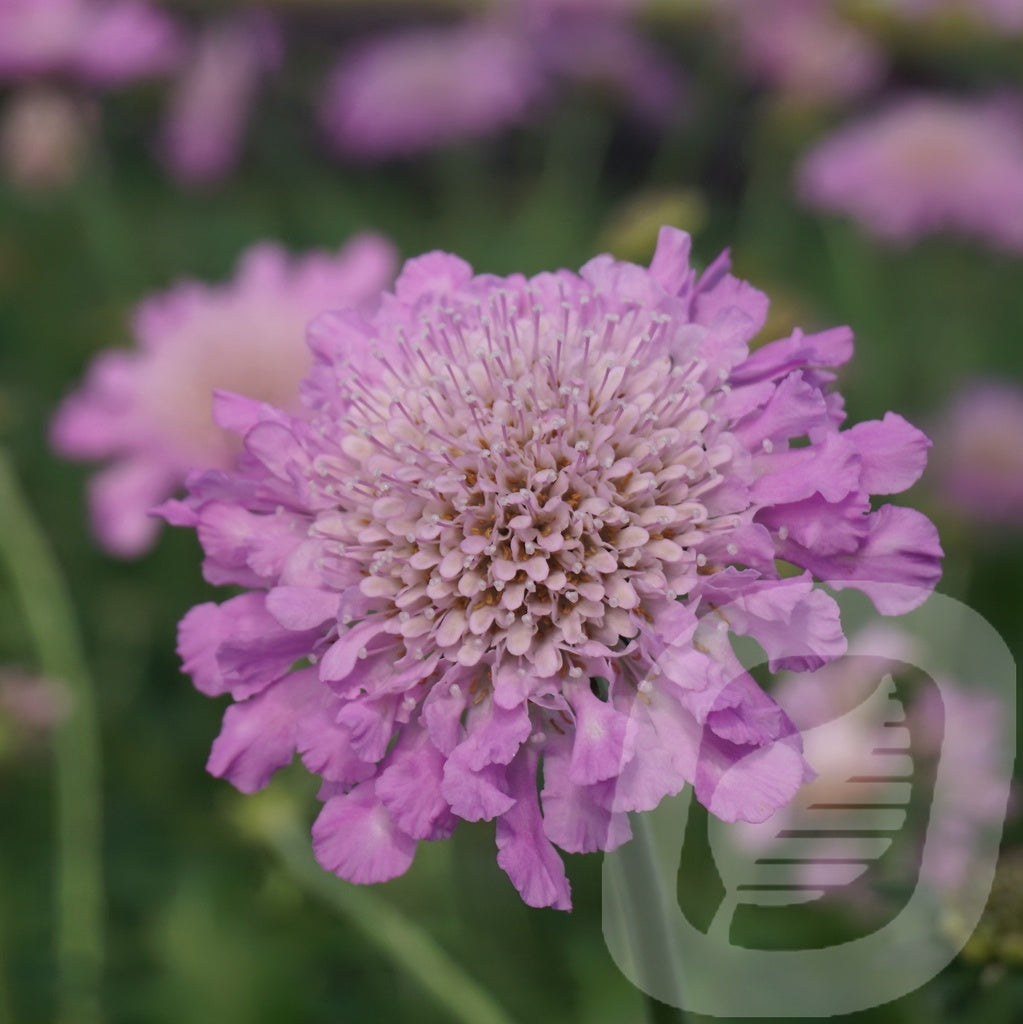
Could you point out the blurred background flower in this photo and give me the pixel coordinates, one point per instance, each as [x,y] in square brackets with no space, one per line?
[151,410]
[926,164]
[211,102]
[978,457]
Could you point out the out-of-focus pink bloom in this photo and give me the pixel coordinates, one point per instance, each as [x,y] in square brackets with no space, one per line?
[1001,14]
[43,137]
[582,46]
[510,538]
[408,92]
[925,164]
[974,796]
[978,453]
[210,107]
[102,42]
[150,410]
[803,48]
[593,8]
[31,706]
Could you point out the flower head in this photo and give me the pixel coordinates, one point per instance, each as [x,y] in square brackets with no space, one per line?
[498,536]
[44,137]
[422,88]
[804,48]
[1006,15]
[926,164]
[978,462]
[102,42]
[202,135]
[150,410]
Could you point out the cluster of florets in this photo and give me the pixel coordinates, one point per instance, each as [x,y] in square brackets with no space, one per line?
[508,538]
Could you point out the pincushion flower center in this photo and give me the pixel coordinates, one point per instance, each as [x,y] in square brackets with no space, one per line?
[517,486]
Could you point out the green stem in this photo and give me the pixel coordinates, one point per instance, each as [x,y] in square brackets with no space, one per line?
[645,909]
[6,1008]
[408,945]
[51,626]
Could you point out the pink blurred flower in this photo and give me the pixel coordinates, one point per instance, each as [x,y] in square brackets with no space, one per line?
[44,135]
[421,88]
[210,106]
[149,410]
[922,165]
[978,463]
[101,42]
[33,705]
[803,48]
[599,47]
[499,541]
[1001,14]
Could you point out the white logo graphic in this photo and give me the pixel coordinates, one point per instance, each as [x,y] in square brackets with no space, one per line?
[835,831]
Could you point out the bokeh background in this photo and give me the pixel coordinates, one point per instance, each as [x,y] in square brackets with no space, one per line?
[595,122]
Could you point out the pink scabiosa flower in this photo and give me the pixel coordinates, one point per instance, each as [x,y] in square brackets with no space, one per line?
[44,137]
[1006,15]
[412,91]
[597,46]
[926,164]
[101,42]
[150,410]
[492,548]
[978,464]
[210,107]
[803,48]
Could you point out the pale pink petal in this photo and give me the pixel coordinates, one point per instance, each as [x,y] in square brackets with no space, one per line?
[355,837]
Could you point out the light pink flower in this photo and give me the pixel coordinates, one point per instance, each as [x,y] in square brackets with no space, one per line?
[500,538]
[411,91]
[1001,14]
[597,46]
[210,106]
[978,463]
[150,410]
[44,136]
[32,705]
[922,165]
[101,42]
[803,48]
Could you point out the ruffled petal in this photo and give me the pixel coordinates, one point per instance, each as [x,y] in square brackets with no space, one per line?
[259,734]
[410,786]
[576,818]
[893,453]
[523,851]
[355,836]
